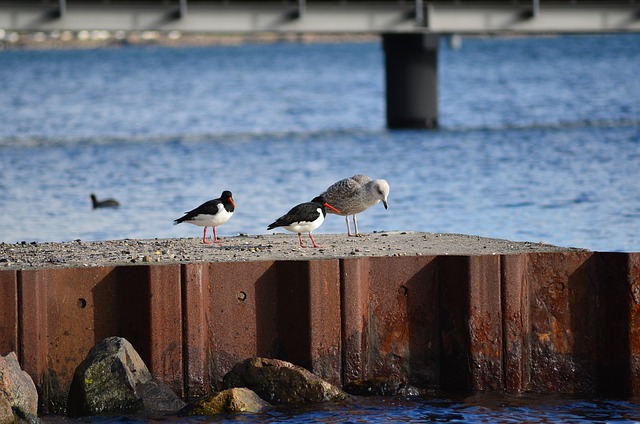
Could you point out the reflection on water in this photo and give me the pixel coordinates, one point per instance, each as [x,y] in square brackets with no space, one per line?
[478,408]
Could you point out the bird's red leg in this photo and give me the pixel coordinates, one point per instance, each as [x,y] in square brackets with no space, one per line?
[300,239]
[314,242]
[204,236]
[215,236]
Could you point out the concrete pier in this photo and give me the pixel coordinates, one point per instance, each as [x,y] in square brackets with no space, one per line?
[546,320]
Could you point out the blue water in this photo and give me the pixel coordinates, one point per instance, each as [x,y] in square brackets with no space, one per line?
[479,408]
[539,139]
[486,408]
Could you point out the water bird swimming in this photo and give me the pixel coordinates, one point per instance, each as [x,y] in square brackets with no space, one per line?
[304,218]
[106,203]
[210,214]
[354,195]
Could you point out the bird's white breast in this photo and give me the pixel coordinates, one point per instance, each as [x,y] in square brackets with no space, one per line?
[306,226]
[209,220]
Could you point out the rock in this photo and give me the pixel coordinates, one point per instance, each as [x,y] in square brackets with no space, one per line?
[18,390]
[233,400]
[106,380]
[280,382]
[381,386]
[114,379]
[6,413]
[158,397]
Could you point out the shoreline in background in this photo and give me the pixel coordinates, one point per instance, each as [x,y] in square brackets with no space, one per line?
[91,39]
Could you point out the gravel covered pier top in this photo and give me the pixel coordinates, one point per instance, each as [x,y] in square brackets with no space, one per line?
[77,253]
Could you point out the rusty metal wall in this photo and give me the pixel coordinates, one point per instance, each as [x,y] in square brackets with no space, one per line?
[543,322]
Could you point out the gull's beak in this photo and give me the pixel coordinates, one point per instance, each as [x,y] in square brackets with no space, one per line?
[326,205]
[386,205]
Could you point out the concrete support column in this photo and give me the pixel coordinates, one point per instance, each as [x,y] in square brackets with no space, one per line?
[411,62]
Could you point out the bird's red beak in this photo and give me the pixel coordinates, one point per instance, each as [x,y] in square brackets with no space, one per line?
[326,205]
[232,202]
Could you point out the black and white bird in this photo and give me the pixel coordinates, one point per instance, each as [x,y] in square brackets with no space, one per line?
[304,218]
[210,214]
[106,203]
[356,194]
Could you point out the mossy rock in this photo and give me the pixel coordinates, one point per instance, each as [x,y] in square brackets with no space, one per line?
[105,382]
[233,400]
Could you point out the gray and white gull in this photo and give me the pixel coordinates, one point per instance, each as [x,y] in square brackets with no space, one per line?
[354,195]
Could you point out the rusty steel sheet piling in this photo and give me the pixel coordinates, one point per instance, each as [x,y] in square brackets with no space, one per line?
[390,318]
[516,325]
[8,312]
[565,322]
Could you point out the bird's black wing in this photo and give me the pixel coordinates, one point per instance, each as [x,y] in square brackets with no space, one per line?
[207,208]
[303,212]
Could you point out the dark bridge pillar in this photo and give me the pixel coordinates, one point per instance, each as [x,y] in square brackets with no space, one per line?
[411,62]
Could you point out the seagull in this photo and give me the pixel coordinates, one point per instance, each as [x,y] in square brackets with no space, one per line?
[210,214]
[304,218]
[356,194]
[106,203]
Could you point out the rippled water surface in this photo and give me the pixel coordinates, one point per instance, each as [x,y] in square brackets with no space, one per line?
[539,139]
[480,408]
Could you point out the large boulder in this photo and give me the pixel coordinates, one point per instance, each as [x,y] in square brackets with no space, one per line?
[114,379]
[17,391]
[238,399]
[280,382]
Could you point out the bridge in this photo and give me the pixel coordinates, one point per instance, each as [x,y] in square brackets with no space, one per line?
[410,30]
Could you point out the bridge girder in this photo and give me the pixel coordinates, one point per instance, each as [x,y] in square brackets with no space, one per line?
[322,16]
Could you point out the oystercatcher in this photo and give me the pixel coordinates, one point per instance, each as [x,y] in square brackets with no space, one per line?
[106,203]
[304,218]
[354,195]
[210,214]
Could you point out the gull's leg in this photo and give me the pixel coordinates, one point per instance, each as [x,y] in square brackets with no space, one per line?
[355,224]
[349,234]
